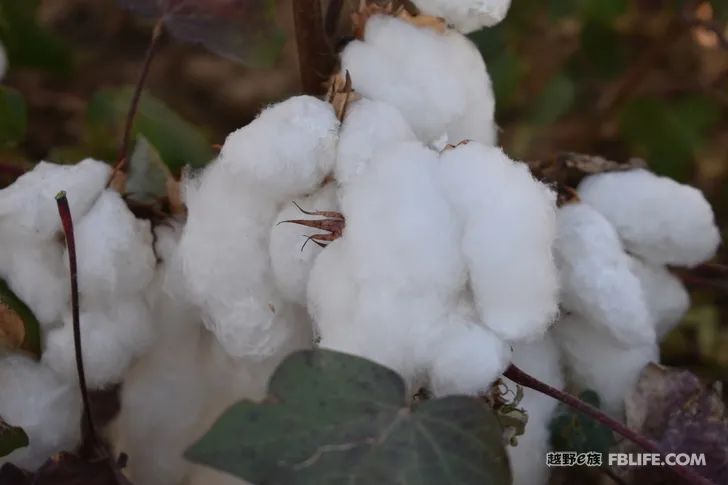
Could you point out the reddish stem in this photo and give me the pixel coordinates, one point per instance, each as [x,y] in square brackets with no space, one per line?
[136,97]
[520,377]
[315,57]
[88,429]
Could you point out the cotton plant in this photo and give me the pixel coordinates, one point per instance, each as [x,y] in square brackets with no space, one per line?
[394,229]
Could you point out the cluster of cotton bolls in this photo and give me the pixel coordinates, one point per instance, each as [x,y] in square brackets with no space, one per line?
[453,263]
[115,263]
[618,295]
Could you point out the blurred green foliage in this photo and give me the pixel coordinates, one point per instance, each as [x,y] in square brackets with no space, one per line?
[13,116]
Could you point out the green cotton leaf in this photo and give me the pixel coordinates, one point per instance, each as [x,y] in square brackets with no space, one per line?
[13,116]
[19,329]
[555,100]
[668,133]
[148,174]
[26,42]
[336,418]
[602,52]
[573,431]
[11,438]
[605,11]
[241,30]
[179,142]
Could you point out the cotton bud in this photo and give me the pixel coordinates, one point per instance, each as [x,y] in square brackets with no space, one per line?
[596,360]
[287,151]
[291,252]
[112,338]
[467,358]
[369,126]
[659,220]
[28,206]
[509,227]
[666,296]
[48,409]
[114,251]
[466,15]
[437,80]
[596,276]
[540,359]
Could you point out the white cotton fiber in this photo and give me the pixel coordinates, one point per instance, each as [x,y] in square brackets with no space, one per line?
[114,250]
[659,220]
[541,360]
[667,298]
[28,206]
[35,272]
[48,409]
[287,151]
[467,358]
[441,87]
[466,15]
[400,249]
[595,360]
[596,276]
[111,338]
[369,126]
[291,254]
[509,228]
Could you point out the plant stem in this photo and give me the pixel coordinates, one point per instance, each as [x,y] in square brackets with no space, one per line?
[520,377]
[136,97]
[88,429]
[315,57]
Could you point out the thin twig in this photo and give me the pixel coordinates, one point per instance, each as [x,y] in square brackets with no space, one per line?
[316,58]
[520,377]
[88,429]
[136,97]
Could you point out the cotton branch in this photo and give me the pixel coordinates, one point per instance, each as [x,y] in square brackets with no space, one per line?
[520,377]
[88,429]
[315,57]
[136,97]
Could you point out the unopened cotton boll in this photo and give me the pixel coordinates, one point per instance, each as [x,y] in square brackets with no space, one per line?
[291,253]
[48,409]
[596,276]
[466,15]
[437,80]
[659,220]
[287,151]
[595,360]
[114,250]
[666,296]
[467,358]
[509,227]
[369,126]
[28,206]
[540,359]
[111,338]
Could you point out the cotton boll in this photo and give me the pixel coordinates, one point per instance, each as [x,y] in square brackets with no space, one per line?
[49,410]
[540,359]
[466,15]
[467,358]
[287,151]
[659,220]
[596,360]
[439,87]
[111,339]
[292,255]
[162,400]
[596,275]
[37,275]
[369,126]
[667,298]
[28,207]
[509,227]
[114,250]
